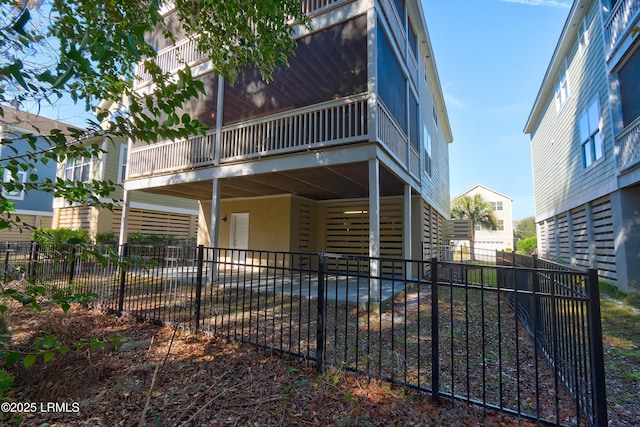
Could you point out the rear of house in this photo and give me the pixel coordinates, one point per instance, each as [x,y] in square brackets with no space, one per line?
[345,151]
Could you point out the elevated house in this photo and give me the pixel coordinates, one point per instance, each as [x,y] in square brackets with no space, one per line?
[501,238]
[345,151]
[585,143]
[34,208]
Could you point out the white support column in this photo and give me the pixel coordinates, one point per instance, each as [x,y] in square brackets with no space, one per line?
[406,231]
[372,74]
[572,242]
[124,219]
[214,228]
[219,123]
[591,254]
[374,228]
[126,202]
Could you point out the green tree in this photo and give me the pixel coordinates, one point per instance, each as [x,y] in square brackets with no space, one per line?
[525,228]
[88,51]
[478,211]
[528,245]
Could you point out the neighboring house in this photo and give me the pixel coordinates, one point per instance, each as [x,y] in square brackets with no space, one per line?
[585,144]
[149,213]
[33,207]
[345,151]
[501,238]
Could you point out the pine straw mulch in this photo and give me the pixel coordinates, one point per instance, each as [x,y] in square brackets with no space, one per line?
[176,378]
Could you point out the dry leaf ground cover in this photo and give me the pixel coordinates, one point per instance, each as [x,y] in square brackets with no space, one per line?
[209,381]
[204,381]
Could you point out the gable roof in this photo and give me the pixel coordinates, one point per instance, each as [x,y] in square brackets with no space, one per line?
[486,188]
[28,122]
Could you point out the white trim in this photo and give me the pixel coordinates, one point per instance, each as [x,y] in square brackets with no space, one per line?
[163,208]
[121,157]
[29,212]
[7,177]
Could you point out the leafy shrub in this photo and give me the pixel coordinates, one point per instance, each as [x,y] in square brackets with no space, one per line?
[107,238]
[6,383]
[529,245]
[53,236]
[158,239]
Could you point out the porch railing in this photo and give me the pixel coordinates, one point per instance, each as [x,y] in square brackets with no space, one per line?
[619,21]
[628,143]
[390,134]
[525,341]
[329,123]
[185,52]
[168,156]
[333,122]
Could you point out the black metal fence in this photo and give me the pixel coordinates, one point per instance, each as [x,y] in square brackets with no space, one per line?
[525,341]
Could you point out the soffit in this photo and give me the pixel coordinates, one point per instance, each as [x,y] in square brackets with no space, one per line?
[344,181]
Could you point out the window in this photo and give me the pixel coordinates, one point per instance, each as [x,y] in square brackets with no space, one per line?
[413,41]
[497,206]
[562,91]
[427,150]
[393,93]
[591,143]
[583,37]
[77,169]
[500,224]
[13,193]
[630,89]
[122,166]
[434,113]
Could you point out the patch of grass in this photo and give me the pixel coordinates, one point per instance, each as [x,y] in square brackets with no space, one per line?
[620,315]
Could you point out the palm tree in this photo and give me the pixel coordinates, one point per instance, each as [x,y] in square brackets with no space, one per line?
[478,211]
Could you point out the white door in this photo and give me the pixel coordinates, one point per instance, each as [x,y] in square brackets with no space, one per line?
[239,236]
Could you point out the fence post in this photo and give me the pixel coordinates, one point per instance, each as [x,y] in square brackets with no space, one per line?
[320,314]
[33,259]
[72,264]
[596,351]
[123,276]
[435,332]
[200,261]
[6,264]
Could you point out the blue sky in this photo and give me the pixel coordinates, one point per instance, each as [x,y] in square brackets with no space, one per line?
[491,57]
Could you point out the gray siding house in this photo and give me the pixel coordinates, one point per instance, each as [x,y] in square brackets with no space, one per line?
[585,139]
[346,150]
[35,207]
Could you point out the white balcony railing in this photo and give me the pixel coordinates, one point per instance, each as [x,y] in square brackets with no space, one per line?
[628,146]
[312,6]
[333,122]
[171,156]
[329,123]
[619,21]
[169,60]
[390,134]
